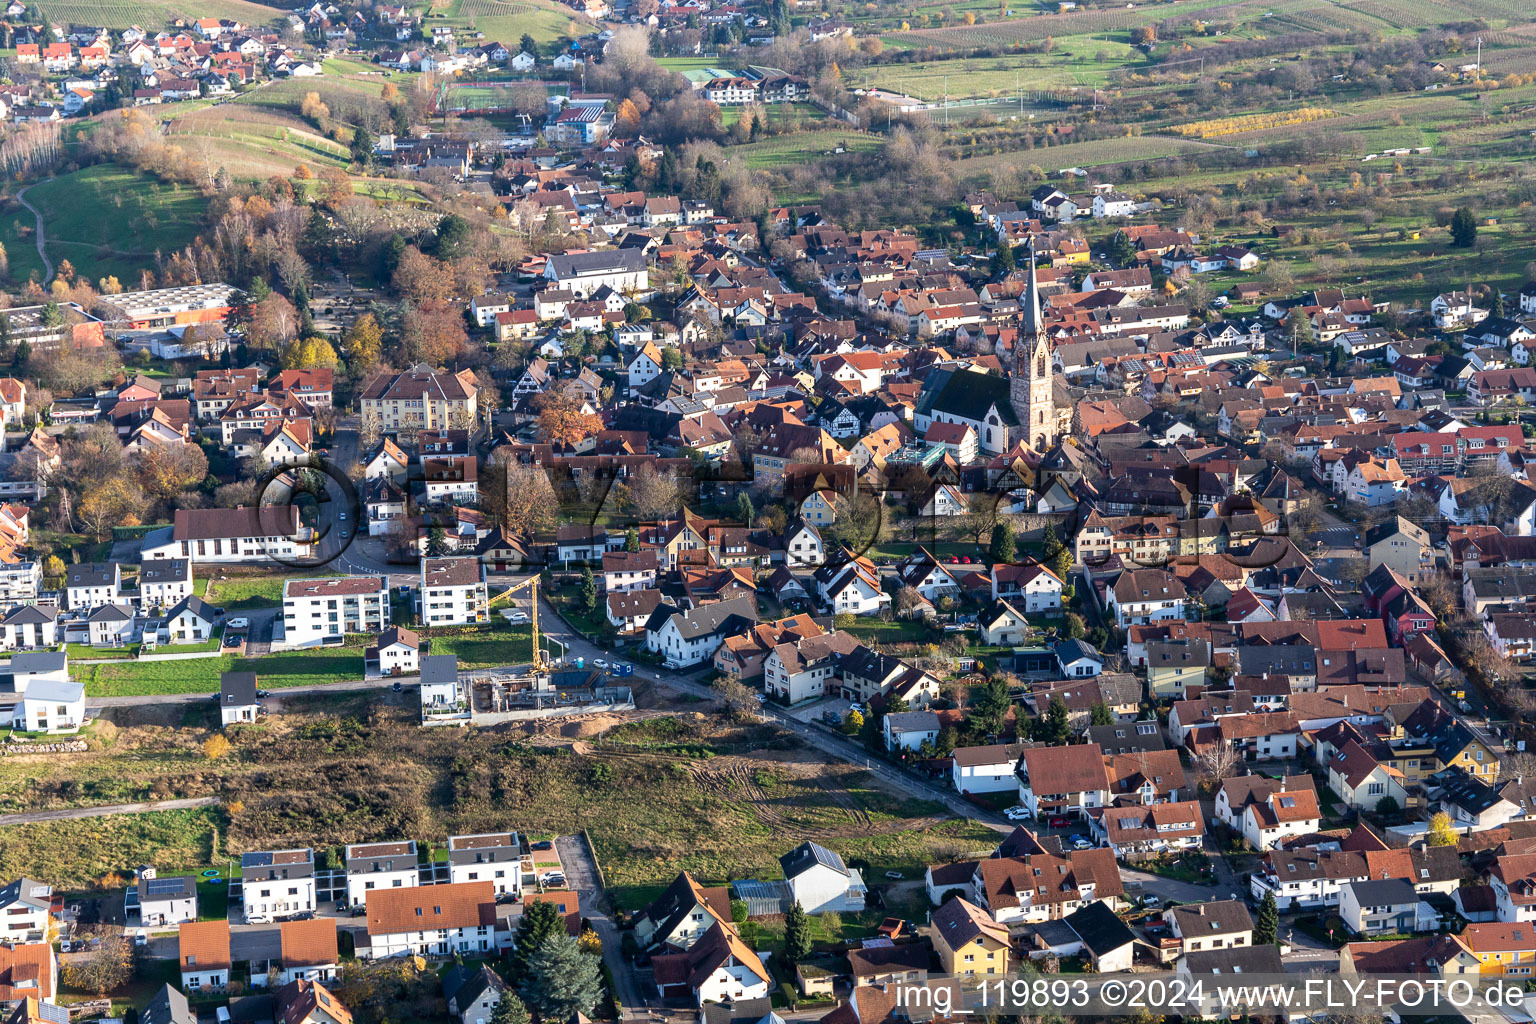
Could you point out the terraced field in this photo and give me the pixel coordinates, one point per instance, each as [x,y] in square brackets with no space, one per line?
[507,20]
[125,13]
[1094,153]
[254,143]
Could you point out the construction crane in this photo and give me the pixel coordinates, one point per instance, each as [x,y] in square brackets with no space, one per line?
[540,664]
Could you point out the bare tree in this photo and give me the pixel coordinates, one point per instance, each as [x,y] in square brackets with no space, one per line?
[1216,762]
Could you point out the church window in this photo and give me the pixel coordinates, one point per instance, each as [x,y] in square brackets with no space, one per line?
[1040,365]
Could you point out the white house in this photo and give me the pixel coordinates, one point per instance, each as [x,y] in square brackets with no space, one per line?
[163,902]
[48,706]
[819,881]
[986,769]
[202,952]
[110,625]
[1062,780]
[440,684]
[687,638]
[164,583]
[583,273]
[909,730]
[396,653]
[803,547]
[433,920]
[380,866]
[237,698]
[1002,625]
[229,535]
[717,969]
[92,584]
[307,951]
[277,883]
[191,620]
[852,585]
[1030,586]
[26,907]
[501,858]
[1141,596]
[324,610]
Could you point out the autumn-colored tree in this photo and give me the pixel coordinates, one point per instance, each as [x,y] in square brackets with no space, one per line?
[390,93]
[110,286]
[421,278]
[628,115]
[338,186]
[303,173]
[309,353]
[65,270]
[315,109]
[434,333]
[364,343]
[165,471]
[563,419]
[274,323]
[114,502]
[529,504]
[216,747]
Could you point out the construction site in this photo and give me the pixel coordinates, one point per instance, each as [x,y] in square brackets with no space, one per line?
[547,687]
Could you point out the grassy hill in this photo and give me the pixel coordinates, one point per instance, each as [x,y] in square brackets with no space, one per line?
[105,219]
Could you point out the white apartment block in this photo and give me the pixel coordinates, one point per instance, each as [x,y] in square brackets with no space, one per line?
[452,592]
[277,884]
[317,610]
[380,866]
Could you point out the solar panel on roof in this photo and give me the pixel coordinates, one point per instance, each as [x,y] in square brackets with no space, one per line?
[163,886]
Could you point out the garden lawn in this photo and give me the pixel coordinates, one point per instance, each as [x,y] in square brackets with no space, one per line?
[239,593]
[319,667]
[486,650]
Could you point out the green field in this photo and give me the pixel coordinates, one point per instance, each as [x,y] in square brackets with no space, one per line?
[800,147]
[107,219]
[780,114]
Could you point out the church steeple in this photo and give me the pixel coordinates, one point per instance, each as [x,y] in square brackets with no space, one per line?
[1032,389]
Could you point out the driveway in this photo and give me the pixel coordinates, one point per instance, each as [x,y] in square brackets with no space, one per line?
[581,875]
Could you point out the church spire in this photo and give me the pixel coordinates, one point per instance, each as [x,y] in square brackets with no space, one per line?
[1033,324]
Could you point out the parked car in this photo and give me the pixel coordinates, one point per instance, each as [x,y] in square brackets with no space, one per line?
[214,696]
[238,623]
[263,693]
[1016,814]
[543,844]
[1150,900]
[549,878]
[233,641]
[893,874]
[1059,823]
[1081,843]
